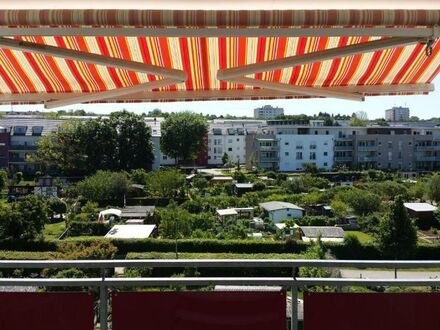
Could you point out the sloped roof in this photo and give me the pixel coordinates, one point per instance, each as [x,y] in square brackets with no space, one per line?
[273,206]
[324,232]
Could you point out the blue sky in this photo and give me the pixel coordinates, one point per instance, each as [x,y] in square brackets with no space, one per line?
[423,106]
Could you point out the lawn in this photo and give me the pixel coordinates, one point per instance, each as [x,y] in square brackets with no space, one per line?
[363,238]
[53,230]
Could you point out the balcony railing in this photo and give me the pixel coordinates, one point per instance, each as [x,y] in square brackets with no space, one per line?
[104,283]
[343,148]
[343,159]
[22,147]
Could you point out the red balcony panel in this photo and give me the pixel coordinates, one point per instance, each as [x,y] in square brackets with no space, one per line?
[367,311]
[199,310]
[46,311]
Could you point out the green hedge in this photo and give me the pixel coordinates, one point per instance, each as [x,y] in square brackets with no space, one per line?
[88,229]
[23,245]
[213,246]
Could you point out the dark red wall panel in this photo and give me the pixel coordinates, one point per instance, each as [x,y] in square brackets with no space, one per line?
[199,310]
[368,311]
[46,311]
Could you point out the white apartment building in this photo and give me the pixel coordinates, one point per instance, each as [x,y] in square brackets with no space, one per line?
[297,150]
[230,140]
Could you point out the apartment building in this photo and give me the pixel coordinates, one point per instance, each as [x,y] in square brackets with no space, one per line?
[268,112]
[397,114]
[24,133]
[5,141]
[297,150]
[229,136]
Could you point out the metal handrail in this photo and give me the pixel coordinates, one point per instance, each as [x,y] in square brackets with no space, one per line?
[219,263]
[294,283]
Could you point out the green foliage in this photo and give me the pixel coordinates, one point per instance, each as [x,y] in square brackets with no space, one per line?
[165,183]
[314,221]
[18,176]
[86,250]
[305,183]
[183,135]
[388,190]
[315,251]
[103,187]
[370,223]
[174,222]
[56,206]
[361,201]
[418,191]
[120,142]
[225,158]
[339,208]
[88,229]
[3,179]
[24,219]
[397,236]
[434,188]
[200,182]
[138,176]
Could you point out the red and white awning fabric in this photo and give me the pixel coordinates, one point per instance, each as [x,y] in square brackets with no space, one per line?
[62,57]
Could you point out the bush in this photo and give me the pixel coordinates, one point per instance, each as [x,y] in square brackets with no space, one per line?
[88,229]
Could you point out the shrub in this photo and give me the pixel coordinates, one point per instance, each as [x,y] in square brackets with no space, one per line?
[88,229]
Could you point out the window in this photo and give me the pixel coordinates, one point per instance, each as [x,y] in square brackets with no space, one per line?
[312,155]
[299,155]
[286,143]
[313,147]
[325,164]
[229,149]
[316,132]
[326,132]
[299,147]
[325,153]
[390,145]
[390,156]
[238,139]
[286,153]
[229,140]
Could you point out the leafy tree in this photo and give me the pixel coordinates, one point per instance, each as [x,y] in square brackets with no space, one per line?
[434,188]
[24,219]
[18,177]
[225,158]
[174,222]
[165,183]
[397,236]
[339,208]
[3,179]
[200,182]
[139,176]
[361,201]
[120,142]
[103,187]
[183,135]
[56,206]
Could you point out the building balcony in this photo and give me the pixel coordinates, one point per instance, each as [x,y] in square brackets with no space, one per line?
[367,159]
[428,148]
[428,158]
[269,159]
[271,148]
[344,138]
[17,160]
[22,147]
[343,159]
[343,148]
[367,148]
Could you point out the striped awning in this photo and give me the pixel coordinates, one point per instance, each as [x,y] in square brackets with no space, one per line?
[69,56]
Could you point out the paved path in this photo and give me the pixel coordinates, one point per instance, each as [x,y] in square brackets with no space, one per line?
[386,274]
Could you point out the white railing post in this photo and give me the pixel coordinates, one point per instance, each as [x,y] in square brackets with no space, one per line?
[103,303]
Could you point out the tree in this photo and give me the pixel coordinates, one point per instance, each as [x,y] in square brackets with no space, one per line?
[339,208]
[397,236]
[225,158]
[174,222]
[359,118]
[24,219]
[434,188]
[120,142]
[361,201]
[183,135]
[56,206]
[3,179]
[139,176]
[103,187]
[165,183]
